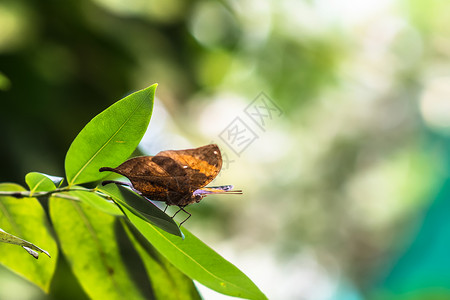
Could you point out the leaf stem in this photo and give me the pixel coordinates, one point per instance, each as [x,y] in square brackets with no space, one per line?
[28,194]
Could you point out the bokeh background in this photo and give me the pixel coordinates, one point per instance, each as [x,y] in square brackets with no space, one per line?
[346,183]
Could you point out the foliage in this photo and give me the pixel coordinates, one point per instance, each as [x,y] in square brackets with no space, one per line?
[86,222]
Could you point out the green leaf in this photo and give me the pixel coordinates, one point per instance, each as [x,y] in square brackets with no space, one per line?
[198,261]
[26,218]
[166,280]
[38,182]
[96,201]
[29,247]
[88,241]
[141,207]
[110,137]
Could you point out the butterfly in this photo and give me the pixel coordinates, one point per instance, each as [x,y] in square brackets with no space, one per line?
[176,177]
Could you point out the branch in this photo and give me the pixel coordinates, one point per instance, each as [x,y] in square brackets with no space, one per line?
[29,194]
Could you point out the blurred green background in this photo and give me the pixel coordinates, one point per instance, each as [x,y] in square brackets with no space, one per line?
[346,181]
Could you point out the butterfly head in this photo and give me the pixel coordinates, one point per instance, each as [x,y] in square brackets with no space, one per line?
[197,197]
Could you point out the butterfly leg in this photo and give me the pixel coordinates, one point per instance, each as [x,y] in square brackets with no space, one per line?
[182,208]
[176,212]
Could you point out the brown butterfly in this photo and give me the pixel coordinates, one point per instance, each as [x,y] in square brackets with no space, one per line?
[176,177]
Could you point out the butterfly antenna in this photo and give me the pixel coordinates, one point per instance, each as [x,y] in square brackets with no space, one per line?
[236,192]
[215,190]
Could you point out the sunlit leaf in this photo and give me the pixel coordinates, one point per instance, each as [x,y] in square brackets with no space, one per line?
[141,207]
[89,243]
[38,182]
[96,201]
[26,219]
[110,137]
[167,281]
[198,261]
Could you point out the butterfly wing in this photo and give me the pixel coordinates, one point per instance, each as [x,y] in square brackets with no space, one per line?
[198,166]
[149,178]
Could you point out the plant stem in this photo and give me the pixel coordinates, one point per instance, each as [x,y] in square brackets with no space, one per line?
[27,194]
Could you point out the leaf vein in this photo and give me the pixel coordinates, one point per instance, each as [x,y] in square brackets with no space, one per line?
[105,144]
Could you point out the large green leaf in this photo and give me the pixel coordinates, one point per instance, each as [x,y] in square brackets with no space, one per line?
[141,207]
[26,219]
[89,243]
[198,261]
[110,137]
[166,280]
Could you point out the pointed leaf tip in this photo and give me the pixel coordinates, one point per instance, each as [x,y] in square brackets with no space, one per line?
[110,137]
